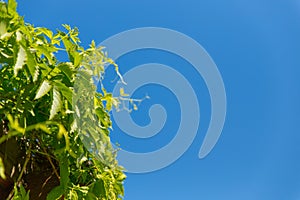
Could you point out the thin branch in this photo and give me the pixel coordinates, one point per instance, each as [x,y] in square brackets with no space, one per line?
[25,164]
[51,163]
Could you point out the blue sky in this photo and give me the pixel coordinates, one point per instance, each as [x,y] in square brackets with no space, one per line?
[255,45]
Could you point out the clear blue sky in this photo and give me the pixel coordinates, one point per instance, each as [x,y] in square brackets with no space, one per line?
[256,46]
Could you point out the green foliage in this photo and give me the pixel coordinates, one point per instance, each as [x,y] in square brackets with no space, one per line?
[20,193]
[37,98]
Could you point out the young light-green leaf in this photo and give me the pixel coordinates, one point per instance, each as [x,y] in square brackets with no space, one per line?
[21,58]
[3,28]
[45,31]
[56,103]
[44,89]
[12,6]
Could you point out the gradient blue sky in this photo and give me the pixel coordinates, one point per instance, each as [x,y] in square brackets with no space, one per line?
[256,46]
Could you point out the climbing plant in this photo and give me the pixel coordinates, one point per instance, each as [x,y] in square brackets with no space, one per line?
[54,126]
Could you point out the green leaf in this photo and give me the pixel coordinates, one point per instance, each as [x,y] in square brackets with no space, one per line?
[42,50]
[98,188]
[20,194]
[73,195]
[23,191]
[121,177]
[32,65]
[27,196]
[66,68]
[66,91]
[12,6]
[72,49]
[21,58]
[3,28]
[91,196]
[44,89]
[55,193]
[66,26]
[56,103]
[2,169]
[110,101]
[45,31]
[64,171]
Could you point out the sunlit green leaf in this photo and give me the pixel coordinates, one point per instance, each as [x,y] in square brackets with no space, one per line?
[56,103]
[3,28]
[45,31]
[21,58]
[12,6]
[73,195]
[67,69]
[42,50]
[43,89]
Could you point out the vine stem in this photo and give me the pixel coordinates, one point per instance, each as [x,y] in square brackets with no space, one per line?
[28,153]
[48,158]
[51,163]
[25,164]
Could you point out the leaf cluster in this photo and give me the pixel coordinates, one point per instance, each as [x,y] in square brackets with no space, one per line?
[51,111]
